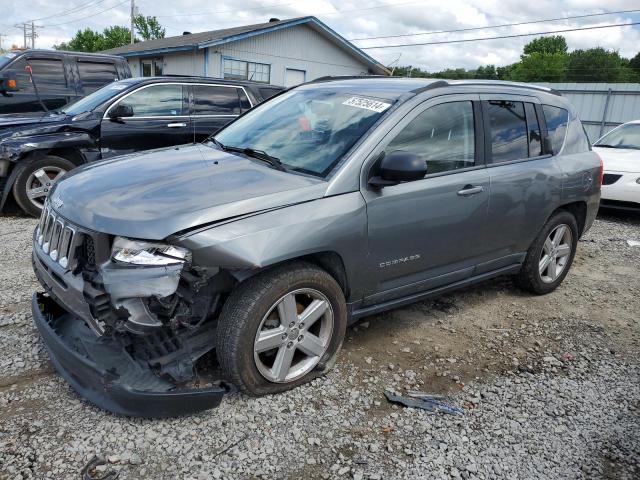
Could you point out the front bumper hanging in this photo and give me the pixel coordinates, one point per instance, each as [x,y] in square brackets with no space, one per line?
[102,371]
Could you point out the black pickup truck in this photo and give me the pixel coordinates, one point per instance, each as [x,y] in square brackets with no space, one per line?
[122,117]
[41,80]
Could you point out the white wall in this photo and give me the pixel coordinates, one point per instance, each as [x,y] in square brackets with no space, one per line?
[182,63]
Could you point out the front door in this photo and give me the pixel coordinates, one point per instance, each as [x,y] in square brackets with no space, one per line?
[159,120]
[430,232]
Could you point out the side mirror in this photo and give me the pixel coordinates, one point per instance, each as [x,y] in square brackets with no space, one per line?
[121,110]
[547,145]
[9,81]
[399,166]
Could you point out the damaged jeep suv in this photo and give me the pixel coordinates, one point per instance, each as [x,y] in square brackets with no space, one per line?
[335,200]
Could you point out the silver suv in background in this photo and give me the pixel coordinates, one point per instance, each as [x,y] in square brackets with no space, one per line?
[334,200]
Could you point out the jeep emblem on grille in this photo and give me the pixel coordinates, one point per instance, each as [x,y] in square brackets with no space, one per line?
[57,203]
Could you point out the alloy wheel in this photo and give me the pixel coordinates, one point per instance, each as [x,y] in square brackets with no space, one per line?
[293,336]
[556,252]
[40,183]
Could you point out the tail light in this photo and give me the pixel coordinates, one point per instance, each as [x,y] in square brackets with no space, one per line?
[601,176]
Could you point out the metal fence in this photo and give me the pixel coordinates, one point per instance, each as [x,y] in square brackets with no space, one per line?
[602,106]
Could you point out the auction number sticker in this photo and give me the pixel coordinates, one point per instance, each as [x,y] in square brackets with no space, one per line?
[367,104]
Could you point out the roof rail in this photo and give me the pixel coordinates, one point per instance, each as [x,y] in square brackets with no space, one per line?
[328,78]
[510,84]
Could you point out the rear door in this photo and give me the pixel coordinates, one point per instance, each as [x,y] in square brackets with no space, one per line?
[159,119]
[95,73]
[213,106]
[525,182]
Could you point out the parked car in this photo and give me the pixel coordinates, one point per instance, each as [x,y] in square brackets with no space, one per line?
[123,117]
[620,153]
[334,200]
[42,80]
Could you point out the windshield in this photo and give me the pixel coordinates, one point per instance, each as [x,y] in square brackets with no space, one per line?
[625,136]
[88,103]
[308,130]
[6,58]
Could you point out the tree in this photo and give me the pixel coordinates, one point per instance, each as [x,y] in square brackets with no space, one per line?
[487,73]
[634,63]
[116,36]
[540,67]
[86,40]
[546,45]
[148,27]
[597,65]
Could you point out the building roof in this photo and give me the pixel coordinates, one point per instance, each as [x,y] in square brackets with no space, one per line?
[218,37]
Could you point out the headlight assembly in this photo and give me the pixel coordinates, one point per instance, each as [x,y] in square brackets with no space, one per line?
[135,252]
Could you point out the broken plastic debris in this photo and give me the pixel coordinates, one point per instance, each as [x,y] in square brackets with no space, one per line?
[424,401]
[88,472]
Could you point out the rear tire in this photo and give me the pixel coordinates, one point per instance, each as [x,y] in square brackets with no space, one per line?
[261,328]
[551,254]
[35,180]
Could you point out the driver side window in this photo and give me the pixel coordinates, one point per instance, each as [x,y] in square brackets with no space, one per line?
[443,136]
[156,101]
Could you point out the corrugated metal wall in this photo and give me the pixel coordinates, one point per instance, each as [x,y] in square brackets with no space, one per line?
[602,106]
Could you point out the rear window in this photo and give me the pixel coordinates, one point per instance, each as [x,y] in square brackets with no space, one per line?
[269,92]
[557,119]
[94,75]
[216,100]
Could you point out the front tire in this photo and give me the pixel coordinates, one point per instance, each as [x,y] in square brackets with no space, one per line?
[35,181]
[281,328]
[550,255]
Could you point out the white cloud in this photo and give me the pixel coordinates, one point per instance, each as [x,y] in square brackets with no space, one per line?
[357,19]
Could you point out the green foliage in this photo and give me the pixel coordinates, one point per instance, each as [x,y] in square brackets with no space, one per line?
[555,44]
[88,40]
[148,27]
[546,59]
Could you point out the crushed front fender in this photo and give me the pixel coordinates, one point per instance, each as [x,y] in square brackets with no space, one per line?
[102,371]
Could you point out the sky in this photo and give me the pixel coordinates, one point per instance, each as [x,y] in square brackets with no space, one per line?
[354,20]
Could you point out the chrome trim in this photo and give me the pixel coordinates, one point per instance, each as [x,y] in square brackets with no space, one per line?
[57,238]
[106,113]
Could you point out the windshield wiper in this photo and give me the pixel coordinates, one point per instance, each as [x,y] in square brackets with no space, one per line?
[255,153]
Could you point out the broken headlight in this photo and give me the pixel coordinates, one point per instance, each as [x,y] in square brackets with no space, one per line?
[136,252]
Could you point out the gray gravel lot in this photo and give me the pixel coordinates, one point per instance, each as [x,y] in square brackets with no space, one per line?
[550,387]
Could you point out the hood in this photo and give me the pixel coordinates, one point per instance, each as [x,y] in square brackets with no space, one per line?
[153,194]
[11,120]
[619,159]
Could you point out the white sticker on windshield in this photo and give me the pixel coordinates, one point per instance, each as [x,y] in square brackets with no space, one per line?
[367,104]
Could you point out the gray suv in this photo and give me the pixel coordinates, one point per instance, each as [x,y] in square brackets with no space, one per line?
[332,201]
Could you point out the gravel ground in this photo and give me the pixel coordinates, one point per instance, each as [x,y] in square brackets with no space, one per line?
[549,386]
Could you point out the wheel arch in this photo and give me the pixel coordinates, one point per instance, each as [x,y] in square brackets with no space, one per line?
[578,210]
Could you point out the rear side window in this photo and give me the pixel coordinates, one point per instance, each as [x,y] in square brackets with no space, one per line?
[533,131]
[508,128]
[244,101]
[94,75]
[442,135]
[216,100]
[557,119]
[156,101]
[48,73]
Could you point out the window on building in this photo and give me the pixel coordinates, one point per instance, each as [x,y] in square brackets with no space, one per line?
[216,100]
[156,101]
[508,126]
[47,73]
[241,70]
[152,67]
[94,75]
[557,119]
[442,135]
[533,131]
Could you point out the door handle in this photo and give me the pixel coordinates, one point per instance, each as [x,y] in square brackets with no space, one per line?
[176,125]
[469,190]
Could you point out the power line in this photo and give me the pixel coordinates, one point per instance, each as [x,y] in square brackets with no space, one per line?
[465,40]
[75,9]
[496,26]
[87,16]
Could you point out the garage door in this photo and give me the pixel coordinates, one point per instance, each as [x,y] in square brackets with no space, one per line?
[293,77]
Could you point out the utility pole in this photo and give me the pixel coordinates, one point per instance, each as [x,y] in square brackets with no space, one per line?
[33,35]
[1,35]
[133,15]
[28,32]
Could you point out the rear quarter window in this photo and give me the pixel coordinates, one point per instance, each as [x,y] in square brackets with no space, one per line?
[269,92]
[557,119]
